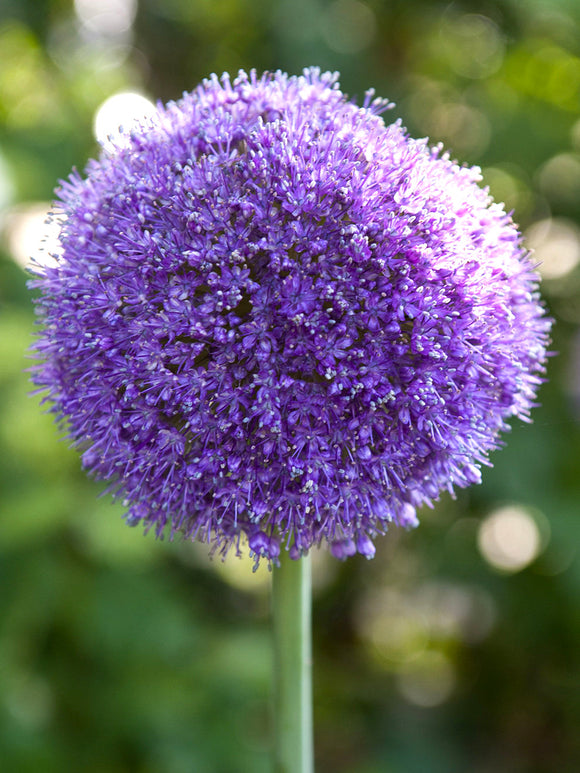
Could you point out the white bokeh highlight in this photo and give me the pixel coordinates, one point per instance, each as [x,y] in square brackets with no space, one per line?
[118,114]
[509,539]
[106,17]
[32,233]
[555,244]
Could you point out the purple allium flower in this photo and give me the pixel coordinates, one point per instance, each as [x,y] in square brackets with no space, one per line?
[275,316]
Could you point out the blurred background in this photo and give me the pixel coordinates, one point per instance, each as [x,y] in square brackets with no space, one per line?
[458,648]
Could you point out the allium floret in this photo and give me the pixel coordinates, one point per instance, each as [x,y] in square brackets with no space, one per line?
[275,316]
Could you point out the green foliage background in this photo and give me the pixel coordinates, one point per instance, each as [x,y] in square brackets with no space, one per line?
[119,654]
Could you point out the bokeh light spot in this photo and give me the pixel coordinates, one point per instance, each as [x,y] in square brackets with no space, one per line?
[507,184]
[118,114]
[474,45]
[32,235]
[456,611]
[559,179]
[443,116]
[394,627]
[555,243]
[509,539]
[348,26]
[106,17]
[427,681]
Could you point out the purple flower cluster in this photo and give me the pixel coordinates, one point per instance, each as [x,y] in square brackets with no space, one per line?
[274,315]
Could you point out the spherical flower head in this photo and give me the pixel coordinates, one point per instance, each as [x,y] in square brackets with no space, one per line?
[275,316]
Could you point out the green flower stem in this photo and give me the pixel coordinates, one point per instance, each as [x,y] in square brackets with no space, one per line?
[291,596]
